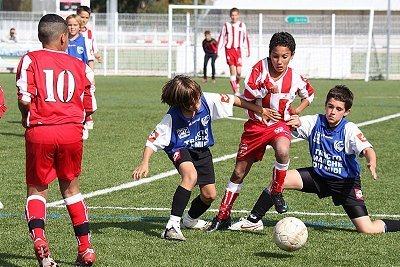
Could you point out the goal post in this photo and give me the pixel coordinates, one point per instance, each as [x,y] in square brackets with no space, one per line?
[331,43]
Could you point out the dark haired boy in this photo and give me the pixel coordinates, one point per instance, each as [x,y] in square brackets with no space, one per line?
[273,85]
[210,47]
[185,134]
[54,97]
[334,144]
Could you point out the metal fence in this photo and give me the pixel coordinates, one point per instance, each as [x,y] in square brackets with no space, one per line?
[137,44]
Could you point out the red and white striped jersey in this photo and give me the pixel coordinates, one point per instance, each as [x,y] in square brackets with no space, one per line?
[89,35]
[58,86]
[234,35]
[258,86]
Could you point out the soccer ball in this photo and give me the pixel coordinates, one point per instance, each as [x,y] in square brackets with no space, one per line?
[290,234]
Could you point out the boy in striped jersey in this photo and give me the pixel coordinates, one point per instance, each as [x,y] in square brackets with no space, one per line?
[234,38]
[271,84]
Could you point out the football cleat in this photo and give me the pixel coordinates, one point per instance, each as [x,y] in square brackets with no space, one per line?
[174,233]
[245,225]
[190,223]
[218,224]
[204,80]
[86,258]
[42,253]
[279,202]
[237,94]
[48,262]
[213,81]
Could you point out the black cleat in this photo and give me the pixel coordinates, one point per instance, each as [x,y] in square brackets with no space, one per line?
[218,224]
[279,202]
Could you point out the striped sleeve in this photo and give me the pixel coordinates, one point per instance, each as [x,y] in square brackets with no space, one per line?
[254,82]
[307,91]
[89,100]
[246,42]
[25,80]
[221,38]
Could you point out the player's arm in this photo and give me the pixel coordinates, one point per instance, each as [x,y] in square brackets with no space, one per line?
[266,113]
[159,138]
[246,41]
[221,38]
[370,155]
[302,126]
[306,94]
[26,87]
[143,168]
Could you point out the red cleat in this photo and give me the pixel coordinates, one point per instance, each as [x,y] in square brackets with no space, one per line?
[86,258]
[42,253]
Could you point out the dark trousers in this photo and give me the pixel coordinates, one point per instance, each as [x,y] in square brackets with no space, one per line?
[206,58]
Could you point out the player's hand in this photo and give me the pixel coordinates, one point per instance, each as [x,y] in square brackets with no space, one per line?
[140,171]
[270,114]
[294,121]
[24,122]
[372,169]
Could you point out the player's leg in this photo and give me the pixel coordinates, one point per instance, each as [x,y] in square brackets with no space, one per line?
[293,181]
[183,161]
[281,147]
[199,206]
[78,212]
[40,172]
[206,181]
[363,223]
[234,85]
[232,191]
[213,58]
[238,75]
[206,58]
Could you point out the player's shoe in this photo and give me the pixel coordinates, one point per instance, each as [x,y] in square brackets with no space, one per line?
[218,224]
[42,253]
[89,125]
[204,80]
[1,205]
[190,223]
[86,258]
[48,262]
[213,80]
[173,233]
[279,202]
[245,225]
[85,133]
[237,94]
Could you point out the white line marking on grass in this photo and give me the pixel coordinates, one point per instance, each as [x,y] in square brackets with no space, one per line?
[173,172]
[238,211]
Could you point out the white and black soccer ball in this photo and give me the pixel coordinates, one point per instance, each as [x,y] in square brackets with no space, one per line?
[290,234]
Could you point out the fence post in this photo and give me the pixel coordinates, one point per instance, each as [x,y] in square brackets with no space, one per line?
[368,59]
[260,29]
[116,39]
[333,36]
[187,41]
[169,41]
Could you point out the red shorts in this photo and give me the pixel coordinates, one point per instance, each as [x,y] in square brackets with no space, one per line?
[233,57]
[257,136]
[51,152]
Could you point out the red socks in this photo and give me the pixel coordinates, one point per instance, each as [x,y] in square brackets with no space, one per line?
[231,193]
[279,174]
[35,213]
[77,210]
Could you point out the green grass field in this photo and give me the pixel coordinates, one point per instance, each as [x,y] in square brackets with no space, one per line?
[129,108]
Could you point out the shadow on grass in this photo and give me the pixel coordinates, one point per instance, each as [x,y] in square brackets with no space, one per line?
[151,226]
[12,134]
[5,263]
[273,255]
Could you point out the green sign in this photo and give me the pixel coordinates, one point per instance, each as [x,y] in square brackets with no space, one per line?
[297,19]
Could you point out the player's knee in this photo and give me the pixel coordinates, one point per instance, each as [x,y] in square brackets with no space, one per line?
[209,197]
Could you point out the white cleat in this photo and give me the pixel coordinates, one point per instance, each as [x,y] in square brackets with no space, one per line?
[49,262]
[190,223]
[245,225]
[174,233]
[1,205]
